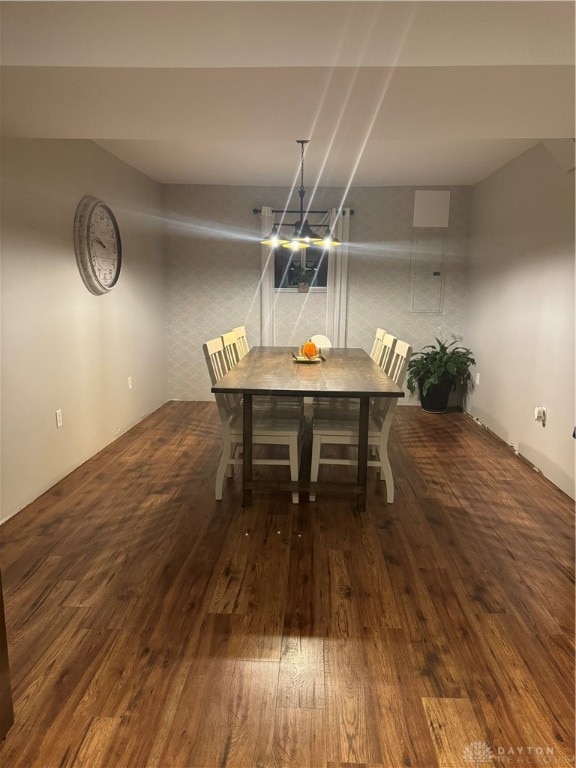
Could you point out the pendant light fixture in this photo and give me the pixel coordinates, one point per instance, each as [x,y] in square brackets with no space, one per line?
[303,235]
[274,239]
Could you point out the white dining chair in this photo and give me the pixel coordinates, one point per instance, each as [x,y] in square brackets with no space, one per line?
[327,406]
[376,351]
[269,427]
[233,353]
[241,340]
[398,367]
[230,348]
[387,352]
[341,428]
[321,341]
[217,367]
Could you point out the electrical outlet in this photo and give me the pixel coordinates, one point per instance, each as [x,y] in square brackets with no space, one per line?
[477,379]
[129,382]
[59,418]
[540,413]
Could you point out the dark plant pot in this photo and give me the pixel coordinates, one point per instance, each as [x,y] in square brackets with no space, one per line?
[436,399]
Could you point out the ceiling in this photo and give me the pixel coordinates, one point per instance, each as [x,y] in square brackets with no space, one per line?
[389,93]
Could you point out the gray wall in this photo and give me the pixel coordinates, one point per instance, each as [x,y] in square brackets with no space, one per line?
[62,347]
[520,318]
[215,261]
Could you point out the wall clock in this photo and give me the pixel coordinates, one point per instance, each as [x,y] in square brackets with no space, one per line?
[97,245]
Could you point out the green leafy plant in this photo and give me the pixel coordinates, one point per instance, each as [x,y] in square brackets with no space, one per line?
[306,278]
[439,363]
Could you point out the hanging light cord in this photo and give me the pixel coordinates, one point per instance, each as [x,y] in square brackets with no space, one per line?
[302,191]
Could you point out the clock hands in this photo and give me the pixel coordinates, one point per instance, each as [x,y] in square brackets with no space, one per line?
[110,246]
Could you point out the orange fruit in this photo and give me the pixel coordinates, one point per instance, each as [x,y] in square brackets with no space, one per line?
[310,349]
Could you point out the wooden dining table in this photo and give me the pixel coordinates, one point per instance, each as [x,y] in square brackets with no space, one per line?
[273,371]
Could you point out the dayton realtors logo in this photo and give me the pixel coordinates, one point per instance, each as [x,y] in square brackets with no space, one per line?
[478,753]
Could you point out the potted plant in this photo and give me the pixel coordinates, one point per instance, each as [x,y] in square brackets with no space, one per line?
[436,370]
[307,275]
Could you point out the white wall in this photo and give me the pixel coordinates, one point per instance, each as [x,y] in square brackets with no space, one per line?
[520,315]
[62,347]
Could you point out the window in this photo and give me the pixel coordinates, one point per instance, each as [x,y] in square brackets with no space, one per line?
[300,270]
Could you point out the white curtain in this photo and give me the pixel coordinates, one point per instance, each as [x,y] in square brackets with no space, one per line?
[267,281]
[337,298]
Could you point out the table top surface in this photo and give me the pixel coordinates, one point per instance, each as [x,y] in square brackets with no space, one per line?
[272,370]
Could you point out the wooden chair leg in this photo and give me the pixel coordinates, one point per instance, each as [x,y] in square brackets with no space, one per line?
[235,453]
[315,462]
[222,468]
[294,465]
[386,473]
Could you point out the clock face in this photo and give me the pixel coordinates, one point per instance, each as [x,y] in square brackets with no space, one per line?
[97,244]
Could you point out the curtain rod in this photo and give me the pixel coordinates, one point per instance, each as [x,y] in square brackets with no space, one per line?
[294,210]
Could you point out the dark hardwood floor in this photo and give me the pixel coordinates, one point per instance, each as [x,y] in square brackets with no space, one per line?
[149,625]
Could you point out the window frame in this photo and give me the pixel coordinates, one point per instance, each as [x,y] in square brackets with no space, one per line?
[300,255]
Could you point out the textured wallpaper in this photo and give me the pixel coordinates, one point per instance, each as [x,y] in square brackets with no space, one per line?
[298,316]
[214,272]
[213,276]
[379,274]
